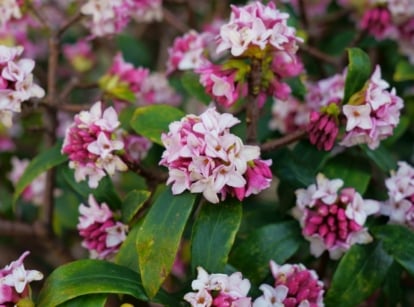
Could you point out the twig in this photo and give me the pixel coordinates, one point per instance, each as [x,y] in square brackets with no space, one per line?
[152,176]
[74,19]
[174,21]
[19,229]
[252,107]
[283,141]
[303,15]
[316,53]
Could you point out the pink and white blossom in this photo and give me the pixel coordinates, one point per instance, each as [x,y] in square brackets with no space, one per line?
[102,234]
[400,205]
[9,10]
[294,285]
[219,290]
[15,280]
[91,143]
[204,157]
[333,219]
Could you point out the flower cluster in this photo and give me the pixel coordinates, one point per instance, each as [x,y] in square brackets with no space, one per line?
[147,88]
[111,16]
[333,220]
[289,115]
[255,33]
[400,205]
[14,282]
[370,115]
[294,285]
[203,156]
[219,290]
[101,234]
[187,52]
[16,82]
[91,144]
[34,192]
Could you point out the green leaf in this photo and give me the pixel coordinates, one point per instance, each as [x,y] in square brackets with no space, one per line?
[151,121]
[160,236]
[192,85]
[41,163]
[354,172]
[359,273]
[92,300]
[89,277]
[404,71]
[381,157]
[359,71]
[134,51]
[128,254]
[123,93]
[132,203]
[276,242]
[398,241]
[216,226]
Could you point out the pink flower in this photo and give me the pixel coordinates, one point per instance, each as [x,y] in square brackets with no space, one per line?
[136,147]
[373,115]
[16,82]
[14,281]
[378,22]
[204,157]
[333,220]
[400,205]
[219,290]
[102,235]
[80,55]
[91,144]
[9,9]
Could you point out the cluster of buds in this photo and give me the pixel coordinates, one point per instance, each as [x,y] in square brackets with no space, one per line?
[333,220]
[369,116]
[145,88]
[294,285]
[34,192]
[91,144]
[203,156]
[391,19]
[110,17]
[14,282]
[102,234]
[219,290]
[400,205]
[16,82]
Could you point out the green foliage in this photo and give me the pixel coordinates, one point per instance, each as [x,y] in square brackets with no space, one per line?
[151,121]
[41,163]
[191,84]
[132,203]
[213,235]
[359,71]
[160,235]
[404,71]
[361,270]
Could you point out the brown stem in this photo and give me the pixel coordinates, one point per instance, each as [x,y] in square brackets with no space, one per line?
[316,53]
[252,109]
[303,15]
[70,22]
[283,141]
[171,19]
[19,229]
[152,176]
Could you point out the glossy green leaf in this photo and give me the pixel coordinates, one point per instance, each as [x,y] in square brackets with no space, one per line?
[192,85]
[41,163]
[361,270]
[381,157]
[128,254]
[216,226]
[404,71]
[354,172]
[398,241]
[276,242]
[92,300]
[132,203]
[160,235]
[89,277]
[359,71]
[151,121]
